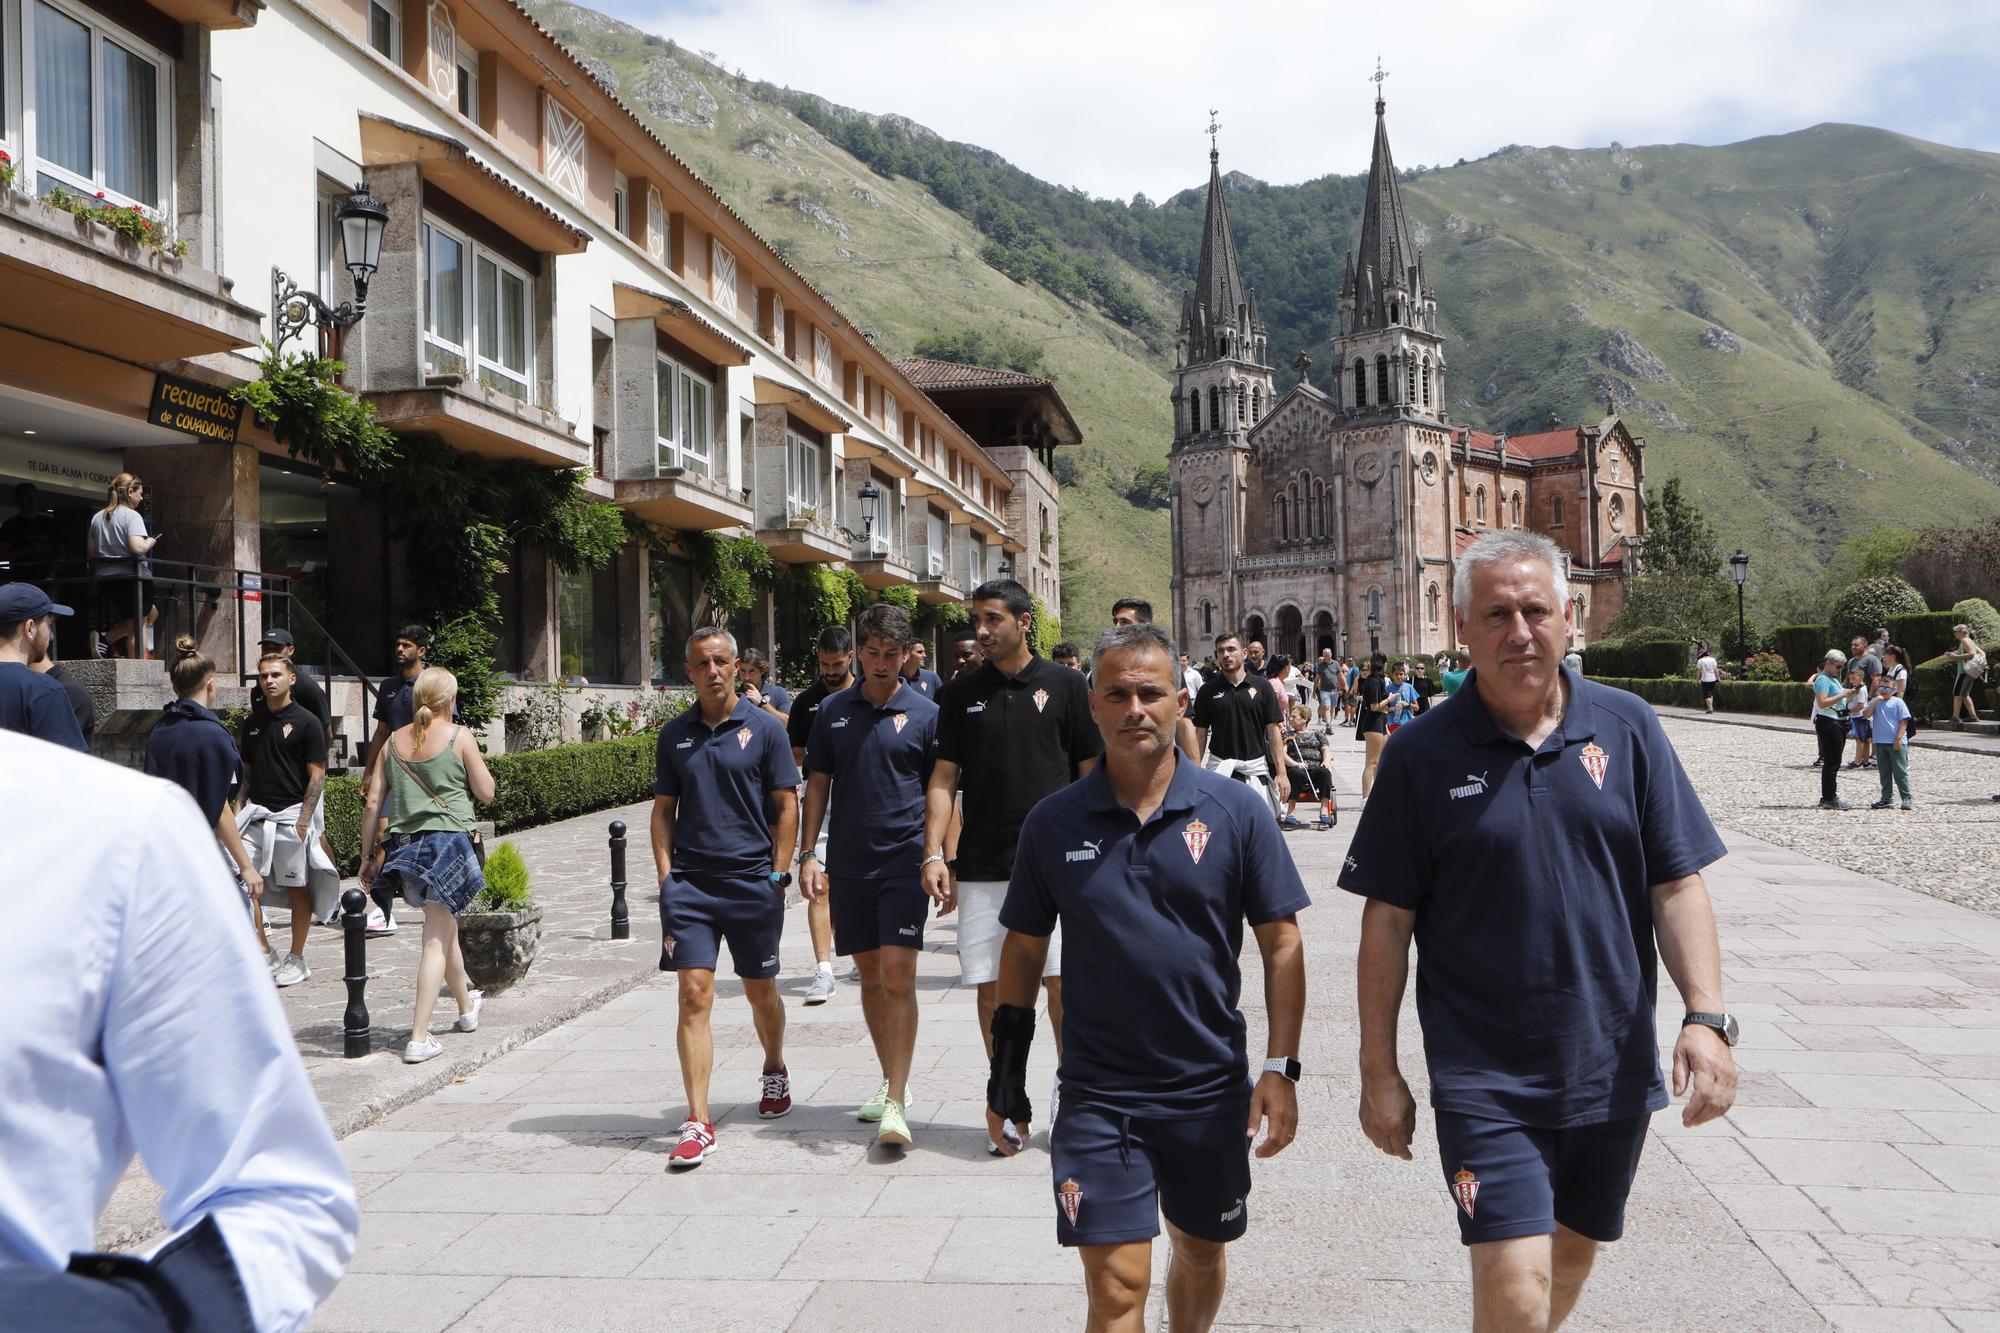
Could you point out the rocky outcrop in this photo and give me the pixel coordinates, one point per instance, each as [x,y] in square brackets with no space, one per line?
[1718,339]
[674,95]
[1628,356]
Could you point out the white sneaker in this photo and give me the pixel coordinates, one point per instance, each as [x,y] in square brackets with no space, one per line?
[291,971]
[379,922]
[822,987]
[272,959]
[419,1051]
[470,1022]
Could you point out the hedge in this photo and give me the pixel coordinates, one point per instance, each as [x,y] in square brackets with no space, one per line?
[1803,647]
[1783,698]
[1925,633]
[1931,682]
[1637,658]
[1980,616]
[533,787]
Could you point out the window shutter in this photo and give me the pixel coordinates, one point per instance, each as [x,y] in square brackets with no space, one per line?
[656,225]
[562,147]
[722,277]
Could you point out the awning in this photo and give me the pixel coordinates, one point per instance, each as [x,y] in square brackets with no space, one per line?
[215,15]
[448,164]
[801,404]
[677,319]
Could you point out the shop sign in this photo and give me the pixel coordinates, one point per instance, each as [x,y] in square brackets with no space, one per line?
[196,409]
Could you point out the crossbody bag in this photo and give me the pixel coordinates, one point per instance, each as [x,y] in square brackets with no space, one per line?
[478,842]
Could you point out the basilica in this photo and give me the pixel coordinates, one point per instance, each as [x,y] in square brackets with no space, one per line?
[1333,517]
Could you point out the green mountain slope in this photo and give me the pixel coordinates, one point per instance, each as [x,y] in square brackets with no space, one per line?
[1804,326]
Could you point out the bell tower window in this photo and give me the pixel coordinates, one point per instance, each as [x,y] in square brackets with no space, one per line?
[1360,382]
[1194,412]
[1381,379]
[1214,408]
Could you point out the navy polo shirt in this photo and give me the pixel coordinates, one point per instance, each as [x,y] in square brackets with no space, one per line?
[879,759]
[722,776]
[926,682]
[1152,918]
[34,705]
[191,747]
[1530,872]
[1015,739]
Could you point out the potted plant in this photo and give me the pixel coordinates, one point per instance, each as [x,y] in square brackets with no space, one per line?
[501,930]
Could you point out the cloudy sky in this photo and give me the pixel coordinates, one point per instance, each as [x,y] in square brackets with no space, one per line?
[1111,97]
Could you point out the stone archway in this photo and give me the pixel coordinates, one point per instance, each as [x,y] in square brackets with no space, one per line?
[1253,631]
[1323,634]
[1291,635]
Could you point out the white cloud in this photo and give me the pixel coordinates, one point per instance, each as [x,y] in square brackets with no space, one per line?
[1111,97]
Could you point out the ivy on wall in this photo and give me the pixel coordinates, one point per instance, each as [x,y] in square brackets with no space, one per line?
[731,569]
[1045,630]
[828,596]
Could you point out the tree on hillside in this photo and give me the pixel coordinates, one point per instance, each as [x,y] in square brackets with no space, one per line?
[1679,537]
[1152,487]
[1683,592]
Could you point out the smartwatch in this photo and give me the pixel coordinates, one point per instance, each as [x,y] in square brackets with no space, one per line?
[781,879]
[1725,1025]
[1283,1064]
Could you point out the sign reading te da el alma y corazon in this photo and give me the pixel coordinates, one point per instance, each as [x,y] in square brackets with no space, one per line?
[196,409]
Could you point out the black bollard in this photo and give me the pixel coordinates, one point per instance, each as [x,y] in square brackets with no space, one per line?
[621,916]
[354,922]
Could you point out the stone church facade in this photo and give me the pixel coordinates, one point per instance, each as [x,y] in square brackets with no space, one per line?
[1333,518]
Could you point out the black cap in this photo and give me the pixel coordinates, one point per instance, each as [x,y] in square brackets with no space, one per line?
[281,637]
[24,601]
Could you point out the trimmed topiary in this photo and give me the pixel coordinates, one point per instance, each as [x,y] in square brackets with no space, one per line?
[1866,606]
[1980,615]
[506,882]
[1803,647]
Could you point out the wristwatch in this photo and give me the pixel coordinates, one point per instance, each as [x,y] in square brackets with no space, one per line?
[781,879]
[1725,1025]
[1283,1064]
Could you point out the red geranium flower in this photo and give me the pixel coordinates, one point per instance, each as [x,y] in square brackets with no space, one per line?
[100,194]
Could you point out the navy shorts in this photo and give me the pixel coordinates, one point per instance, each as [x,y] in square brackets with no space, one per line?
[699,912]
[871,913]
[1115,1174]
[1507,1180]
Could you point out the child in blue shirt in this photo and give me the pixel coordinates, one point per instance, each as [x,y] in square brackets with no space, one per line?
[1890,718]
[1402,697]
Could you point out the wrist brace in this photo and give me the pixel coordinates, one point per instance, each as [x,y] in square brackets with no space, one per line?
[1007,1083]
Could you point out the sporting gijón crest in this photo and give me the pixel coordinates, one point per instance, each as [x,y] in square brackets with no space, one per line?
[1465,1190]
[1195,835]
[743,739]
[1594,761]
[902,720]
[1070,1195]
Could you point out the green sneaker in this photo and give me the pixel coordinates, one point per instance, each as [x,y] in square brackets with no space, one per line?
[871,1110]
[895,1129]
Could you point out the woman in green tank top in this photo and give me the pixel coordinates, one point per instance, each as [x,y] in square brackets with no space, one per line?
[436,773]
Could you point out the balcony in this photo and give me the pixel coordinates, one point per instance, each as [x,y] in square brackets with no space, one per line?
[683,500]
[879,566]
[481,421]
[75,282]
[935,582]
[808,537]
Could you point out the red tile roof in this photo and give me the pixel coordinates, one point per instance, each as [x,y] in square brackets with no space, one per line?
[1614,556]
[1547,444]
[1460,539]
[1474,439]
[928,374]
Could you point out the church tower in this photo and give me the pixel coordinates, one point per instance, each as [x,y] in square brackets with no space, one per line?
[1222,387]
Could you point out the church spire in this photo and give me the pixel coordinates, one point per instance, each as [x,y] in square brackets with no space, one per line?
[1220,320]
[1384,282]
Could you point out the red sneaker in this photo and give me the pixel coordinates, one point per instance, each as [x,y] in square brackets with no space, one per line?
[697,1142]
[777,1098]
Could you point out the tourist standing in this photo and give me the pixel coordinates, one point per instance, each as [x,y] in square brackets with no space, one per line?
[725,819]
[30,702]
[1014,731]
[1971,660]
[395,707]
[139,1018]
[1461,666]
[1191,677]
[1151,866]
[1238,724]
[1896,669]
[191,748]
[121,551]
[1326,685]
[1890,718]
[1372,707]
[1065,654]
[1420,683]
[284,774]
[1537,842]
[1398,700]
[871,750]
[1708,673]
[834,657]
[1830,697]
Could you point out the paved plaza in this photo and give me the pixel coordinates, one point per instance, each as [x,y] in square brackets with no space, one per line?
[1856,1186]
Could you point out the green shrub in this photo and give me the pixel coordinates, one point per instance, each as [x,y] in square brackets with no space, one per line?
[506,882]
[1766,666]
[342,799]
[1862,608]
[1637,658]
[1803,647]
[1981,616]
[1930,686]
[1924,633]
[1781,698]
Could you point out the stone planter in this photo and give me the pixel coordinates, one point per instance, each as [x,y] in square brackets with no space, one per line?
[499,947]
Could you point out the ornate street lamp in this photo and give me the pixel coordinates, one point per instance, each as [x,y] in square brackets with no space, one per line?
[1739,573]
[870,495]
[1374,633]
[361,219]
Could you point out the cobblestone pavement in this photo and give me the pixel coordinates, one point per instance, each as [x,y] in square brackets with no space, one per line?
[1857,1184]
[1766,783]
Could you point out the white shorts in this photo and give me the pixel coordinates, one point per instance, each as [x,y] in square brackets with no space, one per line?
[980,933]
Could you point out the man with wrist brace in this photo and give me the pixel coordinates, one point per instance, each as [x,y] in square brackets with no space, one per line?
[1152,865]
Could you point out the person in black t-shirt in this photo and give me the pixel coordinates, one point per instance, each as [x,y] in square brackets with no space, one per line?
[836,673]
[1239,725]
[284,771]
[965,651]
[309,693]
[1372,728]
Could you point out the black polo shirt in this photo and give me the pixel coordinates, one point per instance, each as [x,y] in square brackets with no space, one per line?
[1530,872]
[1236,715]
[1015,740]
[278,747]
[805,707]
[311,696]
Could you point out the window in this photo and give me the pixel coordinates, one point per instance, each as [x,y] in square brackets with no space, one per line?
[802,493]
[563,139]
[1479,505]
[822,358]
[1410,390]
[1207,617]
[722,277]
[1616,509]
[467,68]
[1514,510]
[100,111]
[892,415]
[1431,606]
[1298,512]
[684,421]
[1555,511]
[1284,518]
[1214,408]
[1360,382]
[1614,467]
[1256,404]
[1236,392]
[385,28]
[1381,379]
[1194,412]
[621,204]
[478,327]
[1427,381]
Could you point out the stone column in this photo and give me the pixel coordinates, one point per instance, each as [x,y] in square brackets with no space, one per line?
[766,465]
[634,422]
[204,503]
[197,167]
[385,350]
[635,620]
[540,637]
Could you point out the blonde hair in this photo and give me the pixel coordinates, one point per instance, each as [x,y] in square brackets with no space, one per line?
[435,688]
[1301,710]
[119,492]
[190,668]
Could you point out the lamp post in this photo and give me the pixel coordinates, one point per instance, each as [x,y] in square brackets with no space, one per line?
[869,495]
[1374,633]
[360,218]
[1739,573]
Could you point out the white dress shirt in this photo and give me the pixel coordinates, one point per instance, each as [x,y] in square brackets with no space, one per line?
[136,1012]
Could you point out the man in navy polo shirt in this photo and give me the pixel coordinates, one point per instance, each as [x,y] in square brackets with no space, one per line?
[1152,865]
[723,867]
[871,750]
[918,676]
[1536,838]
